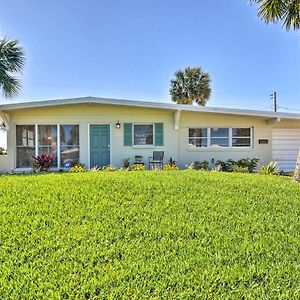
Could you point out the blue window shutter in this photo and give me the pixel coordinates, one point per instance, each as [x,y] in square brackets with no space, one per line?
[127,134]
[159,134]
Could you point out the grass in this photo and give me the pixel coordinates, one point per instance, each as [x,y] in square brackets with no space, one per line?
[149,235]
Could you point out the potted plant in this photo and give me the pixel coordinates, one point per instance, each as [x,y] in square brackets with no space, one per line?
[126,162]
[138,159]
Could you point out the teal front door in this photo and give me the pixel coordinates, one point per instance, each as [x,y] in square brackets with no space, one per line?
[99,145]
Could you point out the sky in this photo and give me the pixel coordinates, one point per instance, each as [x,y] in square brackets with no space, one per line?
[131,50]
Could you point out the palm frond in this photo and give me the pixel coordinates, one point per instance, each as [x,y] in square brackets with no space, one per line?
[9,85]
[12,60]
[287,12]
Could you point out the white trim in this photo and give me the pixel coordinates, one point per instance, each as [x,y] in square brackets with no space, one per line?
[58,146]
[177,119]
[89,142]
[36,139]
[149,104]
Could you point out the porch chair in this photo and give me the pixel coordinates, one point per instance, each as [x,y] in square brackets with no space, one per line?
[156,159]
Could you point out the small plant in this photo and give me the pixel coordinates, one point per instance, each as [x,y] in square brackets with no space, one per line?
[216,168]
[199,165]
[137,167]
[95,169]
[270,169]
[78,168]
[126,162]
[109,168]
[171,165]
[43,162]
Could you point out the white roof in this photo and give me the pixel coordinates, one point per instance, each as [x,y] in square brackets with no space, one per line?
[147,104]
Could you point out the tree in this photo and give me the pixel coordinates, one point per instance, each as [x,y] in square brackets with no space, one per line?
[189,86]
[287,12]
[12,61]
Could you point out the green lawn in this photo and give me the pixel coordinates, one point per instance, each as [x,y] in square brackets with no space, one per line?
[149,235]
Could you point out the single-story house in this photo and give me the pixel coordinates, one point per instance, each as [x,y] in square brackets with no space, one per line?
[98,131]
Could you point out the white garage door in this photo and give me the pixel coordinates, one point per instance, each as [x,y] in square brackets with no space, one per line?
[286,144]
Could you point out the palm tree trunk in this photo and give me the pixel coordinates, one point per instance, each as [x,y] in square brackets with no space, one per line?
[297,170]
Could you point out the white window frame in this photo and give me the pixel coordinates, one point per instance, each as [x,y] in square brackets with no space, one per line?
[143,146]
[230,137]
[247,137]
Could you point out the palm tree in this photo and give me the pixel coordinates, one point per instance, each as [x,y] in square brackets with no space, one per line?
[12,60]
[286,12]
[189,86]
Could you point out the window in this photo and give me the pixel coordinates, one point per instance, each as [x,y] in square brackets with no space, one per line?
[32,140]
[198,137]
[69,144]
[47,140]
[220,137]
[241,137]
[143,134]
[25,142]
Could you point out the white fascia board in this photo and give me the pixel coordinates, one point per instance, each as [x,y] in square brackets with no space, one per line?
[148,104]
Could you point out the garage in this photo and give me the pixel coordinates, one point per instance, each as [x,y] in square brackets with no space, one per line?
[285,147]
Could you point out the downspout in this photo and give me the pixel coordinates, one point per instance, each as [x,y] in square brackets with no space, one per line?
[176,127]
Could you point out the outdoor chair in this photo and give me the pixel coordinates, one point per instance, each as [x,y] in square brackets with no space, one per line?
[157,159]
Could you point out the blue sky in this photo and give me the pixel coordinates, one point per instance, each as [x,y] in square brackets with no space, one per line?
[131,49]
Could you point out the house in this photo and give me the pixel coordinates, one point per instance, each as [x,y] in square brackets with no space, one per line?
[98,131]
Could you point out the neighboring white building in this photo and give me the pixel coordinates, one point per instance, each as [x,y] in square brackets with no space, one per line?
[85,130]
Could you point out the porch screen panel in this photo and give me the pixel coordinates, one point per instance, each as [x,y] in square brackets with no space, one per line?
[69,145]
[47,140]
[25,144]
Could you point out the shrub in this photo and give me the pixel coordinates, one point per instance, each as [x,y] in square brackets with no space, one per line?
[78,168]
[171,165]
[43,162]
[270,169]
[250,164]
[231,165]
[137,167]
[226,166]
[199,165]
